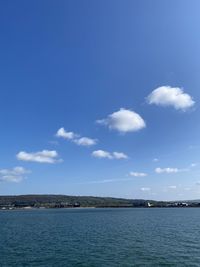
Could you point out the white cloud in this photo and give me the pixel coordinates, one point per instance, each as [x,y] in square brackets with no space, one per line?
[108,181]
[119,155]
[171,96]
[81,141]
[123,120]
[167,170]
[138,174]
[64,134]
[145,189]
[85,141]
[101,154]
[155,160]
[15,175]
[108,155]
[45,156]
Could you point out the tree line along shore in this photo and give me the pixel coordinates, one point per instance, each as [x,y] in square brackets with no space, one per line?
[64,201]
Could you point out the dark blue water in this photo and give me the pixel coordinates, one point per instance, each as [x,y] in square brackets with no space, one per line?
[100,237]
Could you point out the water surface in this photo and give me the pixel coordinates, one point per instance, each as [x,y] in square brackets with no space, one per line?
[100,237]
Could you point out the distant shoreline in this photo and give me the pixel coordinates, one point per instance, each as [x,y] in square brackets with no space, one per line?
[27,202]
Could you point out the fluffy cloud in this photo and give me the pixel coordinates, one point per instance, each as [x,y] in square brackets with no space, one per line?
[45,156]
[15,175]
[167,170]
[64,134]
[101,154]
[108,155]
[85,141]
[81,141]
[145,189]
[119,155]
[138,174]
[171,96]
[123,120]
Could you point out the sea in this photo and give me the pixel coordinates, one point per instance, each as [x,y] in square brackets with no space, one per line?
[109,237]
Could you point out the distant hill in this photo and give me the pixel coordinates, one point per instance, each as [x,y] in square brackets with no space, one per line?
[68,201]
[64,201]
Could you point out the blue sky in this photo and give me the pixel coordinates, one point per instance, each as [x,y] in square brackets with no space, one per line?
[100,98]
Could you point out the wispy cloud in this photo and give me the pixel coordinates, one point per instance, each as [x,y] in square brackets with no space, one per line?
[138,174]
[124,121]
[171,96]
[14,175]
[105,154]
[53,142]
[44,156]
[104,181]
[169,170]
[77,139]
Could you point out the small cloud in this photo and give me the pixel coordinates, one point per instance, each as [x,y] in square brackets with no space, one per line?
[101,154]
[123,121]
[108,155]
[168,170]
[119,155]
[145,189]
[85,141]
[198,183]
[45,156]
[108,181]
[171,96]
[14,175]
[66,135]
[138,174]
[155,160]
[81,141]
